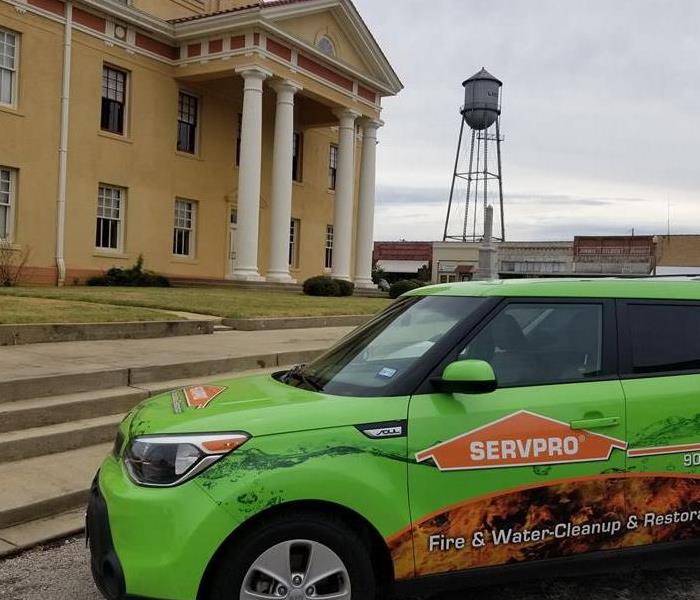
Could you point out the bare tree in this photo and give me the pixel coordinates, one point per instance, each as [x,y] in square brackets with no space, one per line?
[12,263]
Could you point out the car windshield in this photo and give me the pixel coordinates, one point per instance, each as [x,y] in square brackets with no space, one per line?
[372,360]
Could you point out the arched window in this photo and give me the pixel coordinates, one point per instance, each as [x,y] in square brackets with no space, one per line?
[326,45]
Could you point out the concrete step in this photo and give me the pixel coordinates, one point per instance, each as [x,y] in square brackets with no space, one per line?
[25,536]
[12,390]
[40,412]
[43,486]
[61,437]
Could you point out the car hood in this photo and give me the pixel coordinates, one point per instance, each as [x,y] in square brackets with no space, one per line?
[258,405]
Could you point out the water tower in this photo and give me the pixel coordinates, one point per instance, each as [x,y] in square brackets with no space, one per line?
[476,182]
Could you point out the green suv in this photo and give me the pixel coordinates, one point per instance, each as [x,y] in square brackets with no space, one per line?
[467,430]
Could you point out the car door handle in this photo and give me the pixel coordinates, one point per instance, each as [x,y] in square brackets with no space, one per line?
[595,423]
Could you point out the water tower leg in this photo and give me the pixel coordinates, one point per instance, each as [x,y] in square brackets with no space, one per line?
[454,179]
[500,178]
[469,188]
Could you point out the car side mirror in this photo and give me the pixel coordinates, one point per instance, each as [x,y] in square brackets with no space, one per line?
[467,377]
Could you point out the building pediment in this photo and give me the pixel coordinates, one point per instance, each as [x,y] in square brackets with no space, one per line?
[351,43]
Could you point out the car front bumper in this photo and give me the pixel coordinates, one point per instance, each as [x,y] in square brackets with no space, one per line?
[153,543]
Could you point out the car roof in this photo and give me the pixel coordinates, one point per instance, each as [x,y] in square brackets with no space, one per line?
[663,288]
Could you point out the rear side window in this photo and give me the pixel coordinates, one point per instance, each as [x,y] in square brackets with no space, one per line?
[537,344]
[665,337]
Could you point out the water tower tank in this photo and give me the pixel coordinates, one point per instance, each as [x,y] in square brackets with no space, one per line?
[481,100]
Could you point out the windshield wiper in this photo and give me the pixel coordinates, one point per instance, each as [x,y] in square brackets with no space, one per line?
[297,372]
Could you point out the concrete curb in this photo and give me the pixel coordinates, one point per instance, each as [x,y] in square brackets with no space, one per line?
[297,322]
[40,387]
[12,335]
[20,538]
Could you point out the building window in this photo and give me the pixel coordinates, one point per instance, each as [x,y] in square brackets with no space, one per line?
[110,217]
[238,140]
[294,243]
[9,43]
[326,45]
[329,247]
[8,178]
[185,220]
[113,100]
[298,157]
[187,117]
[332,167]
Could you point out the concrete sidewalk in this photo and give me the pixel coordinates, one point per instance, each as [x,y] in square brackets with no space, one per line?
[45,360]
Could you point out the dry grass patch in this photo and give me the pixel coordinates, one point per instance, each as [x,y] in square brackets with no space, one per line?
[21,310]
[227,302]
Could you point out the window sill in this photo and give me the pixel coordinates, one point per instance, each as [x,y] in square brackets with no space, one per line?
[108,254]
[188,155]
[11,246]
[184,260]
[298,183]
[115,136]
[331,192]
[11,110]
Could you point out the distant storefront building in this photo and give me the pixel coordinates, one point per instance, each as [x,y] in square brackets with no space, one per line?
[402,260]
[534,259]
[454,261]
[677,254]
[614,255]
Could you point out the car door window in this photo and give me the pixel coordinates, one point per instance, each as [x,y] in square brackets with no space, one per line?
[665,338]
[529,344]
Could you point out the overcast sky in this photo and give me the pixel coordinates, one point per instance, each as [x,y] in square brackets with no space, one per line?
[601,112]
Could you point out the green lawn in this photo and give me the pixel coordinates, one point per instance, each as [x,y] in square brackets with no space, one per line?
[14,310]
[225,302]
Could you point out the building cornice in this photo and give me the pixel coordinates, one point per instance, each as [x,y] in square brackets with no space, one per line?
[140,33]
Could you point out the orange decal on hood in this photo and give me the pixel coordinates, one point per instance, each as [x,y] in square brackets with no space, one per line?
[518,440]
[198,396]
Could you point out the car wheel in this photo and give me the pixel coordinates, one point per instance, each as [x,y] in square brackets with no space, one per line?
[300,557]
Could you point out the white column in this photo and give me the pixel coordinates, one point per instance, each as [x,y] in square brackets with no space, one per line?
[249,176]
[281,205]
[344,195]
[364,243]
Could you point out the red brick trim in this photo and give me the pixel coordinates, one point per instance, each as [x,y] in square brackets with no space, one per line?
[279,49]
[54,6]
[367,94]
[89,20]
[157,47]
[325,72]
[216,46]
[237,42]
[194,50]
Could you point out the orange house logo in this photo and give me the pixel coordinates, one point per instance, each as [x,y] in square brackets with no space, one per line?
[198,396]
[519,440]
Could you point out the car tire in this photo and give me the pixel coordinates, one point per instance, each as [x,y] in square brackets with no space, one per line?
[299,531]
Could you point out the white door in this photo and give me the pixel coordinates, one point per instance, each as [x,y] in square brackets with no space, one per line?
[233,225]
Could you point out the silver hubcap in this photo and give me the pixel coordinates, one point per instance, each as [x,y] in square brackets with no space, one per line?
[297,570]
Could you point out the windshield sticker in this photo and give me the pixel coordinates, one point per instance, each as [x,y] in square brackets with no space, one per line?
[387,372]
[199,396]
[518,440]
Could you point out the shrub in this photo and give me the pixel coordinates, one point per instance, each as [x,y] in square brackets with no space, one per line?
[321,285]
[12,263]
[135,276]
[345,288]
[403,286]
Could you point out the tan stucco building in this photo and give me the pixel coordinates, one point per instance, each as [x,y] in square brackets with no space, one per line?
[221,139]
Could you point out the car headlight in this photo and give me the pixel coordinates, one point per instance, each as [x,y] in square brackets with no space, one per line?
[169,460]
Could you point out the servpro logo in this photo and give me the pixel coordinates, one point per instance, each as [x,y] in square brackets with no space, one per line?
[518,440]
[198,396]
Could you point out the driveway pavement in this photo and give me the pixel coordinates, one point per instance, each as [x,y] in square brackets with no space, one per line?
[61,572]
